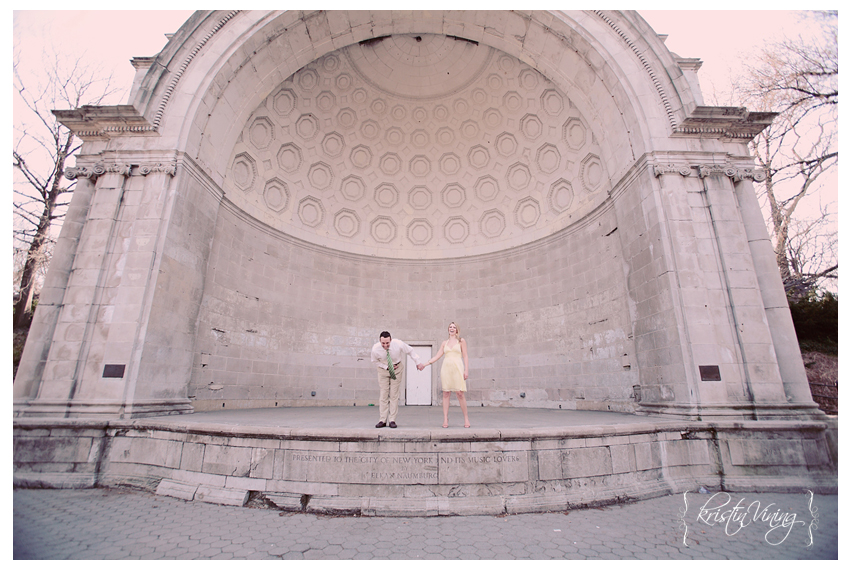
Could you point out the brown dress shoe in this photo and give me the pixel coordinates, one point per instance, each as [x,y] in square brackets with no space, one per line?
[380,425]
[392,425]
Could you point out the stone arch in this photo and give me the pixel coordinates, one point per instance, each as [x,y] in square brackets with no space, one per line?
[605,61]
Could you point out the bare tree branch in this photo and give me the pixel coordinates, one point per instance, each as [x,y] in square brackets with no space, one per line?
[799,79]
[41,149]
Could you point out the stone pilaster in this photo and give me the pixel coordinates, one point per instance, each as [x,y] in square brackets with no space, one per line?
[729,332]
[109,245]
[784,338]
[34,358]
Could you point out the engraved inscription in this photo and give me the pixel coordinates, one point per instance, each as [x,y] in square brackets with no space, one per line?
[501,458]
[483,467]
[360,467]
[409,468]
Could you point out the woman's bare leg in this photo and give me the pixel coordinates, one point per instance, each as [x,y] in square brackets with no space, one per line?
[461,398]
[446,408]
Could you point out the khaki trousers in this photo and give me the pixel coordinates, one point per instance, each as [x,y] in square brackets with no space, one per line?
[389,391]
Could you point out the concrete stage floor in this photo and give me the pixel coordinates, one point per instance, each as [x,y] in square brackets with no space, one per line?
[414,420]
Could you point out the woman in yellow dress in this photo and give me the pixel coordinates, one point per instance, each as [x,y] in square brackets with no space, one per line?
[454,372]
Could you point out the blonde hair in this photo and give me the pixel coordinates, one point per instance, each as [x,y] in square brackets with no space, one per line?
[457,328]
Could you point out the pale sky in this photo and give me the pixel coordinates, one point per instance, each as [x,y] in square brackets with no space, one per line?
[721,38]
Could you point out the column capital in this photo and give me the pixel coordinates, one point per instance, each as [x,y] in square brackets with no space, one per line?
[735,173]
[169,168]
[661,169]
[702,170]
[94,171]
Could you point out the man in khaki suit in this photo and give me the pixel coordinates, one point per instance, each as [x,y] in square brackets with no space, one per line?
[387,356]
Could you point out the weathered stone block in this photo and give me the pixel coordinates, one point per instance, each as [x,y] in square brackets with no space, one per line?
[766,452]
[159,452]
[647,456]
[262,463]
[53,449]
[549,464]
[245,483]
[816,452]
[198,478]
[234,497]
[192,458]
[302,488]
[623,459]
[225,460]
[586,462]
[177,489]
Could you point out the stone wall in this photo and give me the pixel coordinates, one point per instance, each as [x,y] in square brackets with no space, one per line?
[167,348]
[281,318]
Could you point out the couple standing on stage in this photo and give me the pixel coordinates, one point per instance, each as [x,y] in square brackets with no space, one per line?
[387,355]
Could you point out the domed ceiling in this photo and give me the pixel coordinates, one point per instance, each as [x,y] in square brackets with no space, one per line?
[417,146]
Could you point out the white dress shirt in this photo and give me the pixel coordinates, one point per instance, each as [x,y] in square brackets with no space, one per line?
[397,347]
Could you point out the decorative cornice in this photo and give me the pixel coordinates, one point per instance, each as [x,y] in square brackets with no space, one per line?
[93,172]
[176,79]
[92,123]
[736,123]
[688,63]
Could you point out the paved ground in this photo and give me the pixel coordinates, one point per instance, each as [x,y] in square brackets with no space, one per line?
[130,524]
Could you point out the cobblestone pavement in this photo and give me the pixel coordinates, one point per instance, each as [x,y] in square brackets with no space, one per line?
[133,524]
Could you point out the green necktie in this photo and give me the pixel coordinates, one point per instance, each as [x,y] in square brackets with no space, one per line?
[390,366]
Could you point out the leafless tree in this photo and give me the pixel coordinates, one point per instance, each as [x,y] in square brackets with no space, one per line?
[812,252]
[798,79]
[41,149]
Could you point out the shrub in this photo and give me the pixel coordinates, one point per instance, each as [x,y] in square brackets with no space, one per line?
[816,322]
